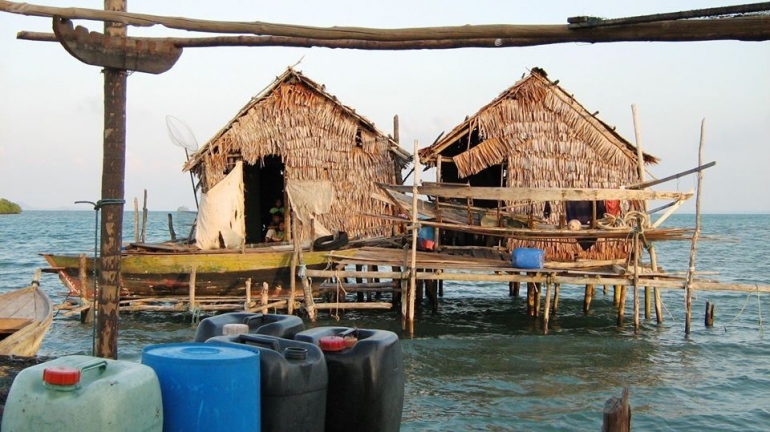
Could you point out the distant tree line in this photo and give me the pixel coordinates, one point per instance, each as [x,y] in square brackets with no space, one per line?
[8,207]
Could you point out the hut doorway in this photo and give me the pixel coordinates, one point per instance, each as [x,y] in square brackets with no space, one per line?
[263,184]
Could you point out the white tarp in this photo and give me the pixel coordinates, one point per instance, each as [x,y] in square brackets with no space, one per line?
[220,216]
[308,199]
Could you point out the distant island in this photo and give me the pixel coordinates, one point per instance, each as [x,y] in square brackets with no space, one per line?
[182,209]
[8,207]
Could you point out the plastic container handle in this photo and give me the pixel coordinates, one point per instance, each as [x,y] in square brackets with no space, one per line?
[100,364]
[255,317]
[260,340]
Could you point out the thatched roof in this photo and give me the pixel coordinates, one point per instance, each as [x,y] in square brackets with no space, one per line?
[332,110]
[534,118]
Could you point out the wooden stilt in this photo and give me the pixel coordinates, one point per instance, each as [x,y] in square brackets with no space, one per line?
[696,235]
[547,310]
[420,292]
[309,302]
[656,295]
[193,272]
[137,236]
[616,295]
[530,299]
[171,232]
[556,289]
[606,289]
[709,314]
[265,298]
[588,297]
[621,305]
[405,286]
[431,288]
[538,292]
[441,288]
[247,305]
[637,250]
[144,218]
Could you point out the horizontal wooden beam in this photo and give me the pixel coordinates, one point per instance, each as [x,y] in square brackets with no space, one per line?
[651,183]
[354,305]
[753,28]
[540,194]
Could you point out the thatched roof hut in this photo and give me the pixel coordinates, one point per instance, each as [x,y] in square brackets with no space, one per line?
[295,133]
[535,134]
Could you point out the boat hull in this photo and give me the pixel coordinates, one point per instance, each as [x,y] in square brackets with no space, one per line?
[32,306]
[168,274]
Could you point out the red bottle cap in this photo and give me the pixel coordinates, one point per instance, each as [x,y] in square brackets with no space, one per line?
[61,375]
[332,343]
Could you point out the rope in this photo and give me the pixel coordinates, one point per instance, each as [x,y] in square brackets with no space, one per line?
[759,309]
[631,219]
[741,311]
[339,287]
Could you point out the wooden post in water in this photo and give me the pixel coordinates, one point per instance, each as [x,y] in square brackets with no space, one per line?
[309,302]
[171,227]
[616,295]
[696,235]
[617,414]
[538,296]
[556,289]
[622,305]
[640,166]
[144,218]
[136,220]
[654,267]
[637,250]
[709,314]
[405,287]
[547,310]
[587,298]
[191,285]
[113,181]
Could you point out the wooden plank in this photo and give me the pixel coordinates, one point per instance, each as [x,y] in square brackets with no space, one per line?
[541,194]
[354,305]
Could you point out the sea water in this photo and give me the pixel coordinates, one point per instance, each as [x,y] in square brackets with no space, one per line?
[482,364]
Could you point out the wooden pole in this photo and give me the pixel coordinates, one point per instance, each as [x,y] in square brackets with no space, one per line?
[538,296]
[547,310]
[171,227]
[654,267]
[530,299]
[294,259]
[589,295]
[396,130]
[622,305]
[144,218]
[113,179]
[265,298]
[491,36]
[617,414]
[640,167]
[248,294]
[191,289]
[556,290]
[696,235]
[709,321]
[309,302]
[636,282]
[413,267]
[437,230]
[137,236]
[405,286]
[616,295]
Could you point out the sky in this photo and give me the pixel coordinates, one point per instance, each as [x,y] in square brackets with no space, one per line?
[51,104]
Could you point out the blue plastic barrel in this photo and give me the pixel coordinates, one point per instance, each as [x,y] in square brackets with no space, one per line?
[528,258]
[206,387]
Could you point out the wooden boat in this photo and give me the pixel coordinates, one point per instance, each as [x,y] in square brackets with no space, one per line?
[157,271]
[25,316]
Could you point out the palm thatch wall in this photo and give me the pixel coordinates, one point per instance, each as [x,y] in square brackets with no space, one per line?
[543,138]
[317,138]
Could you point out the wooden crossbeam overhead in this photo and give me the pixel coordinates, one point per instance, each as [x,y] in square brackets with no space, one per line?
[749,28]
[540,194]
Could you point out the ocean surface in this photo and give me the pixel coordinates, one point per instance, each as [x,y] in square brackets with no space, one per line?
[481,364]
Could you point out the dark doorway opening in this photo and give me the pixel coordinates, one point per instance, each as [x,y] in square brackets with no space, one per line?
[263,184]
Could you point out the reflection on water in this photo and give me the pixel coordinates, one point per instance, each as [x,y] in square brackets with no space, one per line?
[482,364]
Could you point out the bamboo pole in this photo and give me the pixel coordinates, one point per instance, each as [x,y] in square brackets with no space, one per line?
[587,298]
[405,286]
[191,299]
[622,305]
[415,227]
[654,267]
[556,290]
[616,295]
[355,305]
[694,247]
[538,297]
[640,166]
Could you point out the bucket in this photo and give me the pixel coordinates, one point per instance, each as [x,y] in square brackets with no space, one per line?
[284,326]
[84,394]
[206,387]
[294,381]
[528,258]
[366,378]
